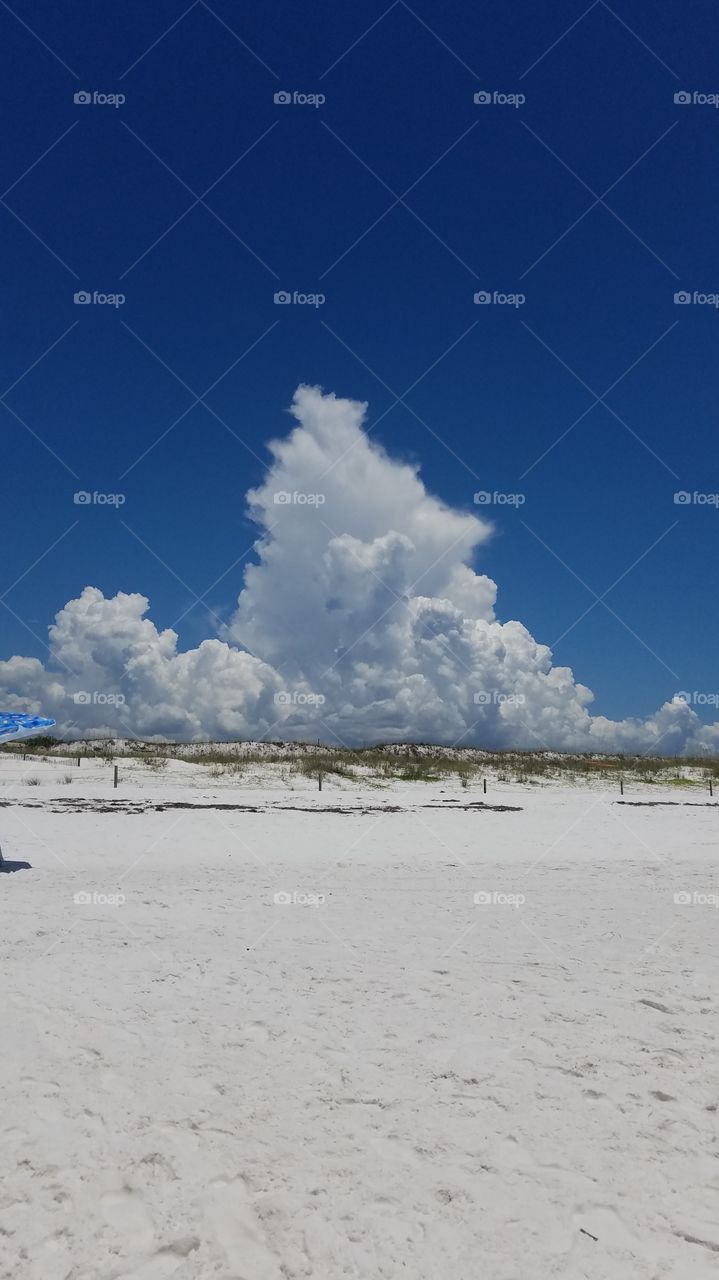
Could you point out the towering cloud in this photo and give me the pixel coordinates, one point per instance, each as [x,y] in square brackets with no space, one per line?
[363,620]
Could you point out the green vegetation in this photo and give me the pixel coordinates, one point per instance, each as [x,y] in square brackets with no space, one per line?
[312,765]
[30,746]
[378,765]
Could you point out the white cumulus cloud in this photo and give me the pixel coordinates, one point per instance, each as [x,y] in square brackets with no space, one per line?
[363,620]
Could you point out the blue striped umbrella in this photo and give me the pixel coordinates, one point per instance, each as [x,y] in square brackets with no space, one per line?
[14,724]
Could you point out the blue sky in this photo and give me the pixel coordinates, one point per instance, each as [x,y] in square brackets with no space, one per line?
[397,199]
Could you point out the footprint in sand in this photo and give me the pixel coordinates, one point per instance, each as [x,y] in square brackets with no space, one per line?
[126,1212]
[164,1262]
[255,1031]
[239,1232]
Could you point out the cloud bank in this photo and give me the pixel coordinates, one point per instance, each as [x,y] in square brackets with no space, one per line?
[362,621]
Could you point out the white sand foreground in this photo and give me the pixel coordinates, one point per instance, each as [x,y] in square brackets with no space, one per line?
[378,1078]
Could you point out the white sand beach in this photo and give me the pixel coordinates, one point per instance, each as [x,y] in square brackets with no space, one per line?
[284,1040]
